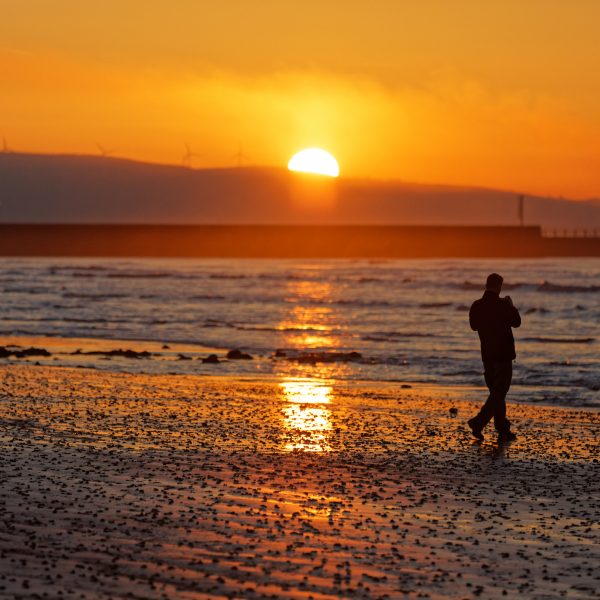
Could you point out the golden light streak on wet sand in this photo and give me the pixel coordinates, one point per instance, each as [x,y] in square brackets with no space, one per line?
[307,420]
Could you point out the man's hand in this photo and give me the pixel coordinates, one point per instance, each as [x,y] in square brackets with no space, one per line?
[509,300]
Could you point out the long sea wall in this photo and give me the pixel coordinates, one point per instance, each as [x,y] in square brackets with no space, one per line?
[280,241]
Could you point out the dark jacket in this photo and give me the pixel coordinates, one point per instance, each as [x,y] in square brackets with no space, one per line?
[492,317]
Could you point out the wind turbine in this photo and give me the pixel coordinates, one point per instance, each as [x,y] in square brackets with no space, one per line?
[104,151]
[239,156]
[5,148]
[187,157]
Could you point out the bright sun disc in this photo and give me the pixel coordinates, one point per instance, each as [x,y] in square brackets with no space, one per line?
[314,160]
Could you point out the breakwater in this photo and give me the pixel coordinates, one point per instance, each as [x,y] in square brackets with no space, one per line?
[293,241]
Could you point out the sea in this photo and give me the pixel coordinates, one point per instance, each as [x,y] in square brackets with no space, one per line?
[403,322]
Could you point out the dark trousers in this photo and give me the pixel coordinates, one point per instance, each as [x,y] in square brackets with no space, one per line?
[498,376]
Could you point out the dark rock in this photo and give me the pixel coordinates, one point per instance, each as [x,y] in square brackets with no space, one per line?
[132,354]
[327,357]
[183,357]
[238,355]
[5,352]
[35,352]
[119,352]
[211,359]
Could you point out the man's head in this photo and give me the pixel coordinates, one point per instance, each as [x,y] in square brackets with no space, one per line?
[494,283]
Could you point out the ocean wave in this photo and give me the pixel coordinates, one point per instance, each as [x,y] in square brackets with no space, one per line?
[94,320]
[547,286]
[285,276]
[554,340]
[340,302]
[30,319]
[115,273]
[228,276]
[207,297]
[286,329]
[464,373]
[364,303]
[386,336]
[68,268]
[24,290]
[145,275]
[218,323]
[435,304]
[66,307]
[469,285]
[535,309]
[94,296]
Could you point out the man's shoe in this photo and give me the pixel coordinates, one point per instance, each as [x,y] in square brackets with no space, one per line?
[475,429]
[507,436]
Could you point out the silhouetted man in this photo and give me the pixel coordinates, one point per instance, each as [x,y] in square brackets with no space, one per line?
[493,317]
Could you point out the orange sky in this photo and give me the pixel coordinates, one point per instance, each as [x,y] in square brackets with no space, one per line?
[500,93]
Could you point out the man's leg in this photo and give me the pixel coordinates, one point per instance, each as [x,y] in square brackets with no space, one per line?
[502,385]
[487,410]
[497,378]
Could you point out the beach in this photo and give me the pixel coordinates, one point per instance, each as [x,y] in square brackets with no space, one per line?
[125,485]
[267,268]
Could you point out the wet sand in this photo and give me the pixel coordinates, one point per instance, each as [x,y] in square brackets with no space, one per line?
[138,486]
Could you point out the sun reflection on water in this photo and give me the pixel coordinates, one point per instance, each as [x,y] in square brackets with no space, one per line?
[308,325]
[307,419]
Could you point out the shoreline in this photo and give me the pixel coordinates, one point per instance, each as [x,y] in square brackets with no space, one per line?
[63,354]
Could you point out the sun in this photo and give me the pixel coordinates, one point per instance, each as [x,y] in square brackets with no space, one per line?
[316,161]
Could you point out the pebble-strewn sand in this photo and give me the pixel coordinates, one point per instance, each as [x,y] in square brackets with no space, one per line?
[136,486]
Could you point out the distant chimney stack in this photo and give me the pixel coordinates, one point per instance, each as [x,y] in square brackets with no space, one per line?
[521,210]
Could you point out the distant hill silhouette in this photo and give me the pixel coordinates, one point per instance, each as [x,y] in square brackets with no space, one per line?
[37,188]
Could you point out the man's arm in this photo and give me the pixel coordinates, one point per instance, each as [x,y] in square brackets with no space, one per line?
[473,320]
[514,318]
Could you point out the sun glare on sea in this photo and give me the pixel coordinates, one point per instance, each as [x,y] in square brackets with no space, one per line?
[315,161]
